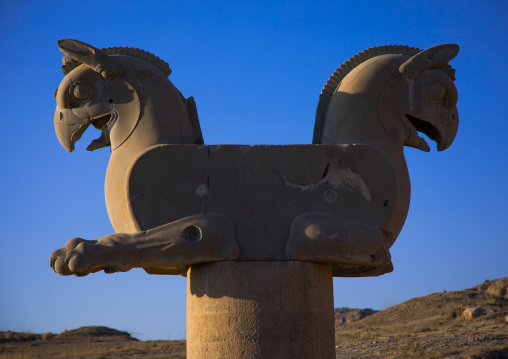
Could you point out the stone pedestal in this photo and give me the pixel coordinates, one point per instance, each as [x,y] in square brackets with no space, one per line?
[260,309]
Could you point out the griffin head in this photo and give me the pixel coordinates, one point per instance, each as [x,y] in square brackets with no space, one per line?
[92,93]
[428,97]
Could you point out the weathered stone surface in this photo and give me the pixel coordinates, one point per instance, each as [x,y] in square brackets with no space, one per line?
[262,193]
[342,202]
[260,310]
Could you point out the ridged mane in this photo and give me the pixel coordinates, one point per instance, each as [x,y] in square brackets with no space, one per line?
[344,69]
[70,64]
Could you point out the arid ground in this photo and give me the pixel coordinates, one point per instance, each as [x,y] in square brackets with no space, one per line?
[471,323]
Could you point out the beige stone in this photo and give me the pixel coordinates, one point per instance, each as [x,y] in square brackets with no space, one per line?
[474,312]
[175,202]
[260,310]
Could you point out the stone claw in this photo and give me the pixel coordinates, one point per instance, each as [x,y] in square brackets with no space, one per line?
[79,257]
[60,259]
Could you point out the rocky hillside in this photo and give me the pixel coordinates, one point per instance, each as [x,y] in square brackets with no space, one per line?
[471,323]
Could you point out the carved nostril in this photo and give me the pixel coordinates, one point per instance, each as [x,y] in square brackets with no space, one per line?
[330,196]
[61,116]
[192,234]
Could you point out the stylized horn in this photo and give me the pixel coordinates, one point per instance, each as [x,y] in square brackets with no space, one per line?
[433,57]
[91,57]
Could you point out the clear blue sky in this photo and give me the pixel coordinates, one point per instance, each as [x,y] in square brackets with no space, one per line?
[256,70]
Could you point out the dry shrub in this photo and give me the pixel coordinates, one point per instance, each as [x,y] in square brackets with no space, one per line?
[410,346]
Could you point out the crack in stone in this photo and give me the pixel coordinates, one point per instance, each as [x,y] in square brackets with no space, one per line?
[339,178]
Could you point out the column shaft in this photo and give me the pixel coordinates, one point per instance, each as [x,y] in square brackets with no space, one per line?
[276,309]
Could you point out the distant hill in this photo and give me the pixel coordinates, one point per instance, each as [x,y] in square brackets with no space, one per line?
[345,316]
[91,334]
[471,323]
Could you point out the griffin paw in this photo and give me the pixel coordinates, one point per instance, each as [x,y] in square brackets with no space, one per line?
[81,257]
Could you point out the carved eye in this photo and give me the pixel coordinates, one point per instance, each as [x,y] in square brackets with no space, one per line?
[436,92]
[80,91]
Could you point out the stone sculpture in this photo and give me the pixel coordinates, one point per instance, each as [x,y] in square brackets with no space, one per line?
[174,206]
[215,213]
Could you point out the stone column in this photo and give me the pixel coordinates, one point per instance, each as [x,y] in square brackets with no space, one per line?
[260,309]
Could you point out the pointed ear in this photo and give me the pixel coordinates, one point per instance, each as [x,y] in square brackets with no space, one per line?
[69,64]
[94,58]
[433,57]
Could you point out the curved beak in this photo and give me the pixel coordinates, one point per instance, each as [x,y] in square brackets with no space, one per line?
[69,128]
[442,132]
[447,133]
